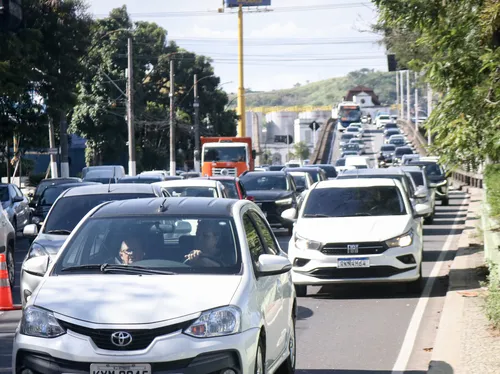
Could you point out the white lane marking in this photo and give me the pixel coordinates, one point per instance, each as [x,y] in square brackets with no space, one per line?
[413,327]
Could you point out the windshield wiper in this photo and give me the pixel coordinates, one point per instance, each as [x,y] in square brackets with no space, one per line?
[59,232]
[318,215]
[362,214]
[83,267]
[133,269]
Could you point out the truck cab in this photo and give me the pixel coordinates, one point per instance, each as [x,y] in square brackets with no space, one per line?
[226,156]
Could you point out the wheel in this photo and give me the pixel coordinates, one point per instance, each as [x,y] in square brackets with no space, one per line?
[416,285]
[11,265]
[445,201]
[260,359]
[429,220]
[288,367]
[301,290]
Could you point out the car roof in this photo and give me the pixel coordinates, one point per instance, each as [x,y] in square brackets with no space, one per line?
[191,182]
[385,171]
[143,176]
[218,178]
[411,168]
[265,173]
[167,206]
[99,189]
[355,182]
[304,169]
[72,185]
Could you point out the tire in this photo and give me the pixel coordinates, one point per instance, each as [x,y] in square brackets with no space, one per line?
[260,358]
[11,265]
[416,286]
[288,367]
[429,220]
[445,202]
[301,290]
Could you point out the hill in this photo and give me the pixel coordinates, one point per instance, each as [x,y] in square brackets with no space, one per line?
[326,92]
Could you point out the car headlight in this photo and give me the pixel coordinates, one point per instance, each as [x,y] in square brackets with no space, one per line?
[37,250]
[404,240]
[216,322]
[305,244]
[40,323]
[286,201]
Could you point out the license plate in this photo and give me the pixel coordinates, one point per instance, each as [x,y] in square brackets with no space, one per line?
[353,263]
[120,369]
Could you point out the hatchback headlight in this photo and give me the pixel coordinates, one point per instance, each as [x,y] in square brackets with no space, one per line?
[305,244]
[40,323]
[36,250]
[216,322]
[286,201]
[404,240]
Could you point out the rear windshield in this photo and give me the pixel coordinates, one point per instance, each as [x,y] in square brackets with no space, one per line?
[192,191]
[417,177]
[300,180]
[388,148]
[262,182]
[347,136]
[68,211]
[384,117]
[355,201]
[433,170]
[50,195]
[391,126]
[340,162]
[231,190]
[403,151]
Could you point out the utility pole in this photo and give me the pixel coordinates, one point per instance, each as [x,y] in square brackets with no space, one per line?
[241,89]
[397,93]
[401,82]
[172,126]
[52,145]
[408,94]
[7,161]
[196,126]
[429,110]
[416,103]
[63,130]
[130,111]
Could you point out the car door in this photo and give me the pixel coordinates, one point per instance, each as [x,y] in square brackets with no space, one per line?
[267,295]
[283,281]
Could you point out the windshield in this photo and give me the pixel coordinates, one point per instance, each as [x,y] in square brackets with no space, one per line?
[355,201]
[68,211]
[300,180]
[132,245]
[418,178]
[346,136]
[350,114]
[433,170]
[262,182]
[388,148]
[403,151]
[351,147]
[192,191]
[50,195]
[227,154]
[353,129]
[231,190]
[397,141]
[392,132]
[384,117]
[340,162]
[350,153]
[4,193]
[391,126]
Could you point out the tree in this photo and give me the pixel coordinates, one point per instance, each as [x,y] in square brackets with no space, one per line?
[301,150]
[461,59]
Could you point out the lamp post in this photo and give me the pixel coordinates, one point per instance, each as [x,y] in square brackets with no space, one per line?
[264,132]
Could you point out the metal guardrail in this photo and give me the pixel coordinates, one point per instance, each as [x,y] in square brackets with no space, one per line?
[319,151]
[467,178]
[414,136]
[332,144]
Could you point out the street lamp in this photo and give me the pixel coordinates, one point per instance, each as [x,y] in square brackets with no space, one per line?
[264,131]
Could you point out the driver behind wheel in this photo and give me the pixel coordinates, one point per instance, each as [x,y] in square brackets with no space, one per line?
[208,239]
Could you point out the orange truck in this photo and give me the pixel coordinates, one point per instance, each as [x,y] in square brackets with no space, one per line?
[226,156]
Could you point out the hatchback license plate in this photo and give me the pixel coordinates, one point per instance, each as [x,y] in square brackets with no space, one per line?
[353,262]
[120,369]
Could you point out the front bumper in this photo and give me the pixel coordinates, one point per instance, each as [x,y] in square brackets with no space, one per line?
[312,267]
[174,353]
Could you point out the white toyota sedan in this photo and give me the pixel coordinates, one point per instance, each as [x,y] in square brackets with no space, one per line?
[171,285]
[356,231]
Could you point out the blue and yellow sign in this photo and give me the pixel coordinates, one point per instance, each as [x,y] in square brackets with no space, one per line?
[237,3]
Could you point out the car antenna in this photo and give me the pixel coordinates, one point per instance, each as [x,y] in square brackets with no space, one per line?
[109,184]
[163,206]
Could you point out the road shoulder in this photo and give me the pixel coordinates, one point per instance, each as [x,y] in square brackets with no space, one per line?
[465,343]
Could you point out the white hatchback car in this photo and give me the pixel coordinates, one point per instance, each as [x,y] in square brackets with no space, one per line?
[172,285]
[192,187]
[356,231]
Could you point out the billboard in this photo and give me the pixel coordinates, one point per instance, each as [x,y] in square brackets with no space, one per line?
[237,3]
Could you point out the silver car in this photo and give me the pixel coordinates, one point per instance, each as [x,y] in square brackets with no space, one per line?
[425,194]
[70,207]
[16,205]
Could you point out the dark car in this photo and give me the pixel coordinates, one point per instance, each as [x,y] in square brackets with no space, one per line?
[49,182]
[437,178]
[275,167]
[317,174]
[400,152]
[390,126]
[386,154]
[274,192]
[390,133]
[49,196]
[353,147]
[144,179]
[331,172]
[234,187]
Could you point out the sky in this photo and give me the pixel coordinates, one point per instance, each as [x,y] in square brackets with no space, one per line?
[295,41]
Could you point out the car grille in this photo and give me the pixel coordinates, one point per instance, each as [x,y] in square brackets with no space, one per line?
[141,338]
[371,272]
[231,172]
[340,249]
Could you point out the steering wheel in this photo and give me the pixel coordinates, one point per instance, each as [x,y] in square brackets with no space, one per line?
[207,257]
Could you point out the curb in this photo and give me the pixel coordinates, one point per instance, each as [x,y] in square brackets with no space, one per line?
[446,356]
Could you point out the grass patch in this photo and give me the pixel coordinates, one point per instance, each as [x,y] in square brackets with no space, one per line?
[493,296]
[492,179]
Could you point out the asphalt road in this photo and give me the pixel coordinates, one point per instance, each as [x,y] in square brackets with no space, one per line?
[355,329]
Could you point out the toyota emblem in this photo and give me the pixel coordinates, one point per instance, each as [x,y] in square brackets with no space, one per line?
[121,338]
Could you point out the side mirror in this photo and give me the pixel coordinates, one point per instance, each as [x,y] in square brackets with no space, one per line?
[420,210]
[31,230]
[37,265]
[254,154]
[421,193]
[273,265]
[289,214]
[17,199]
[250,198]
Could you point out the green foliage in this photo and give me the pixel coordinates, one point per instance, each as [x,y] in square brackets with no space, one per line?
[327,92]
[492,180]
[493,296]
[455,45]
[301,150]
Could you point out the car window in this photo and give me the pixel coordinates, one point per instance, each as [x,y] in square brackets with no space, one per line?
[266,234]
[418,178]
[4,193]
[253,239]
[354,202]
[261,182]
[340,162]
[50,195]
[12,191]
[433,170]
[17,191]
[411,187]
[300,180]
[231,190]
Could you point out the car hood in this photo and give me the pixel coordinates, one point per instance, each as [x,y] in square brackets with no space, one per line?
[269,195]
[352,229]
[134,299]
[52,243]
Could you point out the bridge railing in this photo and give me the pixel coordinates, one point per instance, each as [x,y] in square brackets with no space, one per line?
[320,149]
